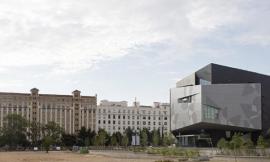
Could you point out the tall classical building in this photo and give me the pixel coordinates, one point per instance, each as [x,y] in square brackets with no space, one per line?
[118,116]
[218,101]
[71,112]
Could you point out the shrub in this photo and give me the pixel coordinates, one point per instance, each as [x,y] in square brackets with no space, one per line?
[173,152]
[222,144]
[84,150]
[182,159]
[164,161]
[261,142]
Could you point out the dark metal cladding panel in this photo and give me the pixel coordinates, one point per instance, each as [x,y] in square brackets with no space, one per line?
[205,73]
[224,75]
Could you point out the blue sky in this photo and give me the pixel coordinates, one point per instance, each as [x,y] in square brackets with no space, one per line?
[124,49]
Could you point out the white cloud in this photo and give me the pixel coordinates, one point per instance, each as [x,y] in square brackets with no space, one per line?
[69,35]
[212,14]
[10,83]
[73,35]
[245,21]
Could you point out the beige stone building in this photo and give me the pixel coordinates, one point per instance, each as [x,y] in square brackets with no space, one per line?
[71,112]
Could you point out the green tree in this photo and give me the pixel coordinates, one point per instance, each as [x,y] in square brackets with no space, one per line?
[144,137]
[237,143]
[125,140]
[261,142]
[68,139]
[35,133]
[222,144]
[47,142]
[119,137]
[91,137]
[155,138]
[168,139]
[248,144]
[114,140]
[129,134]
[101,138]
[53,130]
[14,131]
[83,136]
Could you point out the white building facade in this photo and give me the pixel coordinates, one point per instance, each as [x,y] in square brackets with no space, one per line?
[118,116]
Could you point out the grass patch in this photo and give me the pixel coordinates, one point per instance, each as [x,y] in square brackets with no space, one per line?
[188,153]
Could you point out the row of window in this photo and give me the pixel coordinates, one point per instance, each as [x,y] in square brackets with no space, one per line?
[133,128]
[129,111]
[128,122]
[133,117]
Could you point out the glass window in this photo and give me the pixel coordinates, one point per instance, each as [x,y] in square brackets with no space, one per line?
[187,99]
[204,82]
[211,112]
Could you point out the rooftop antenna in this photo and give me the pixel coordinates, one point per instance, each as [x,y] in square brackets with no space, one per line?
[135,103]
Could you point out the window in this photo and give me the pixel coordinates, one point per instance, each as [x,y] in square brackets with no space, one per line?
[211,112]
[187,99]
[204,82]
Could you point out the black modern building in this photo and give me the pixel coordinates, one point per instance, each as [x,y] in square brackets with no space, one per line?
[217,101]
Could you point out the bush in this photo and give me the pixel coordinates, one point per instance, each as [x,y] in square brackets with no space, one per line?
[182,159]
[173,152]
[222,144]
[164,161]
[84,150]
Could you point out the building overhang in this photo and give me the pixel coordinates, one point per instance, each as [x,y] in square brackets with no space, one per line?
[198,127]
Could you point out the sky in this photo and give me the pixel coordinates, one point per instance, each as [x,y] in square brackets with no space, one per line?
[122,49]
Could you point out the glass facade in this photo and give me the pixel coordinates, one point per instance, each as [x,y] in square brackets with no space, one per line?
[210,112]
[204,82]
